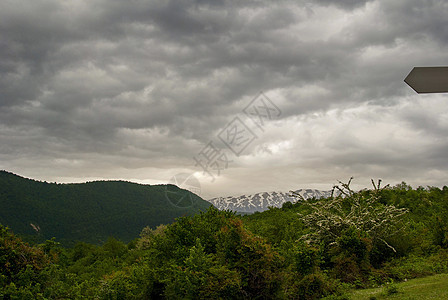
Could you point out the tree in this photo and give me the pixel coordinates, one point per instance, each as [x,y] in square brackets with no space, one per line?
[21,267]
[361,211]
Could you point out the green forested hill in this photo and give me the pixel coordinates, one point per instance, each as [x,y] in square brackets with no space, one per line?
[89,212]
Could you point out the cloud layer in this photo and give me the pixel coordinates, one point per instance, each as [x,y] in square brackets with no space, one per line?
[134,90]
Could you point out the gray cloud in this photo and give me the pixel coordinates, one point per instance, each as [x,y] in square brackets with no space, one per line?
[107,89]
[346,4]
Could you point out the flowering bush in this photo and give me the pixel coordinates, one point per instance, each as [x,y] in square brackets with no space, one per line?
[361,210]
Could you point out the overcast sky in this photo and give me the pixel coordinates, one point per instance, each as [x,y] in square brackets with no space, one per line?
[136,90]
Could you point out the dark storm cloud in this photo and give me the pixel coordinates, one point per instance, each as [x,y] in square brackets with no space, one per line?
[69,60]
[153,81]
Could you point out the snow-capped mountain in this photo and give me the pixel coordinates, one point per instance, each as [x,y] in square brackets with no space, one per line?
[261,201]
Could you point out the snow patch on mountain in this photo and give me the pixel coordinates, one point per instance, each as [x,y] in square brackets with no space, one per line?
[262,201]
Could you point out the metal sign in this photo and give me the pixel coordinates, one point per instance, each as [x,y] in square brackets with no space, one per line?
[428,79]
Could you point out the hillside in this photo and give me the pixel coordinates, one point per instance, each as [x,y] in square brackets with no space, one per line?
[303,250]
[89,212]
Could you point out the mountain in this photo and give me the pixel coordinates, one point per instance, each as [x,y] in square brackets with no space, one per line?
[89,212]
[261,201]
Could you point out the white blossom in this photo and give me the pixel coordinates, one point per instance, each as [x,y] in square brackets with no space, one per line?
[365,213]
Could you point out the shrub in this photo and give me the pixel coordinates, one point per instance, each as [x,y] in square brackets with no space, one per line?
[390,289]
[312,286]
[361,210]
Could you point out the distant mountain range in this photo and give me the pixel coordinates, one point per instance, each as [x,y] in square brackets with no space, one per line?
[92,211]
[262,201]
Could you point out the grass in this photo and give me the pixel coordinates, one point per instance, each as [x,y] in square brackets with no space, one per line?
[432,287]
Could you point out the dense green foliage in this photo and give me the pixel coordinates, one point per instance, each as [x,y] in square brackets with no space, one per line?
[269,255]
[89,212]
